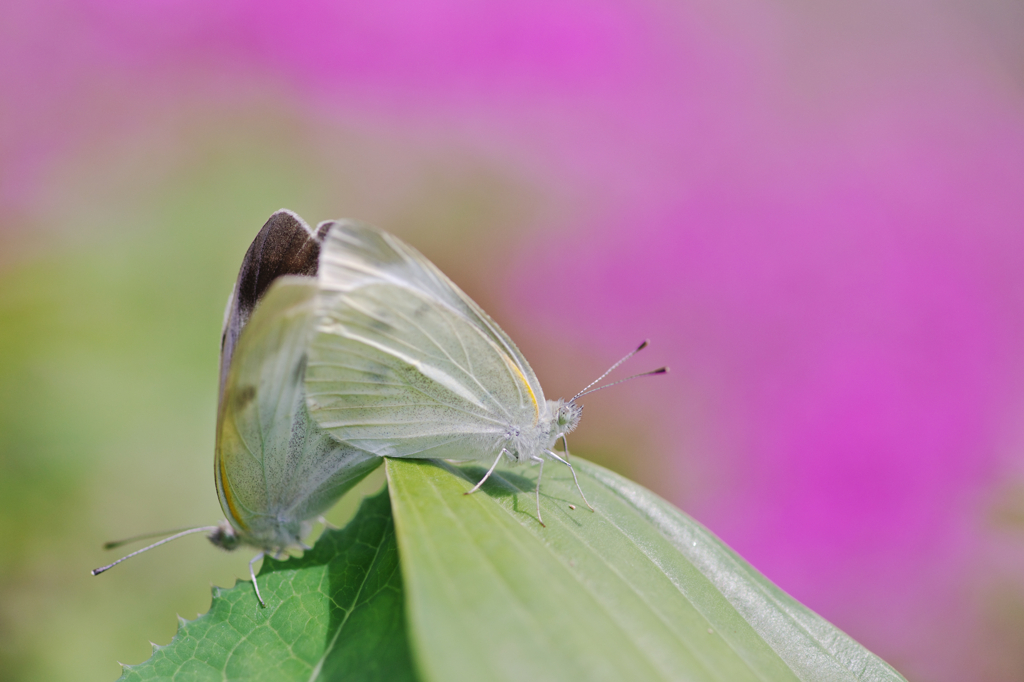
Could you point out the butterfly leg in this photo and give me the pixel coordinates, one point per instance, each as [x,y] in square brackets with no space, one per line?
[566,463]
[252,573]
[487,475]
[327,524]
[540,473]
[565,449]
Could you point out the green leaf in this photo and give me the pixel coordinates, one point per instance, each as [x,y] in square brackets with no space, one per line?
[635,590]
[334,614]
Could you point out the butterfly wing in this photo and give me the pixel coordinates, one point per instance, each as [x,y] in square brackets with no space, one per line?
[402,363]
[361,254]
[274,467]
[285,245]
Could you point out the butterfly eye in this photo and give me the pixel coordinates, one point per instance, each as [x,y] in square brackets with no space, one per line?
[564,415]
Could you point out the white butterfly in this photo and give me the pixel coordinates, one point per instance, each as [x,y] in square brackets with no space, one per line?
[344,345]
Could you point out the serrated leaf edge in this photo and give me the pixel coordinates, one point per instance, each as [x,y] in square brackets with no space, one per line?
[216,592]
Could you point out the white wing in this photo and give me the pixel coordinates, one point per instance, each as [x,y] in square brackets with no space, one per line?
[274,467]
[404,364]
[284,246]
[354,254]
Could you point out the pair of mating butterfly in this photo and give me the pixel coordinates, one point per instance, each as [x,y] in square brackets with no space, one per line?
[343,345]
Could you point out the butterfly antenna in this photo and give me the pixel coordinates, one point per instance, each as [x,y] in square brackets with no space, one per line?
[145,536]
[612,369]
[660,370]
[179,534]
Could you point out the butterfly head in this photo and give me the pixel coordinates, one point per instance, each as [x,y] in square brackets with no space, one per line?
[565,416]
[225,536]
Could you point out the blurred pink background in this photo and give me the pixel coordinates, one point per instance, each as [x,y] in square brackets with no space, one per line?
[816,213]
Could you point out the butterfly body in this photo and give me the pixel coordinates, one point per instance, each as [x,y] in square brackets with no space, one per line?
[343,345]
